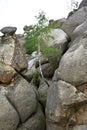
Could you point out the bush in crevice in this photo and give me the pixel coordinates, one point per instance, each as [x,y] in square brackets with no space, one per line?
[35,78]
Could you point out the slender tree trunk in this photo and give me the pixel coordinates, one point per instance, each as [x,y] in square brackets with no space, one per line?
[39,58]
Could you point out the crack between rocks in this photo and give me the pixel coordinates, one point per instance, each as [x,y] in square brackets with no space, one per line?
[22,123]
[8,99]
[18,72]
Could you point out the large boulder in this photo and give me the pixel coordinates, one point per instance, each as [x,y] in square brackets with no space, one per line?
[79,31]
[43,91]
[9,118]
[12,58]
[35,122]
[73,64]
[58,39]
[48,69]
[24,98]
[6,70]
[62,101]
[75,20]
[8,30]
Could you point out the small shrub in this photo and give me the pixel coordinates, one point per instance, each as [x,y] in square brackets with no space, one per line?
[35,36]
[35,79]
[51,52]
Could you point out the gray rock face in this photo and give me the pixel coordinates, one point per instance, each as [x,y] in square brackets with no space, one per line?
[62,101]
[75,20]
[59,40]
[42,93]
[18,98]
[19,61]
[73,65]
[83,3]
[11,58]
[48,70]
[9,119]
[79,31]
[79,127]
[8,30]
[36,122]
[6,70]
[24,98]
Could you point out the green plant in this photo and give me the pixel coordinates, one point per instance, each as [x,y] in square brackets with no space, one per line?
[50,52]
[35,34]
[35,79]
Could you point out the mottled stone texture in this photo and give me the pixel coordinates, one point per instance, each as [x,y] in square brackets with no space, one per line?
[19,107]
[66,106]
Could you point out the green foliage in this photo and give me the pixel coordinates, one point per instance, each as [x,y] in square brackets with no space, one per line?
[35,79]
[36,34]
[50,52]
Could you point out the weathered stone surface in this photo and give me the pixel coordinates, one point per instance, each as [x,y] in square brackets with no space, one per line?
[61,96]
[6,70]
[54,111]
[56,23]
[6,73]
[53,126]
[73,42]
[7,48]
[42,92]
[9,119]
[43,60]
[62,101]
[73,65]
[75,20]
[79,31]
[28,75]
[48,69]
[83,3]
[78,127]
[59,39]
[24,98]
[8,30]
[81,115]
[19,61]
[11,58]
[36,122]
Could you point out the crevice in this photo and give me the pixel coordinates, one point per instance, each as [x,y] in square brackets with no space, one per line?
[30,116]
[18,72]
[8,99]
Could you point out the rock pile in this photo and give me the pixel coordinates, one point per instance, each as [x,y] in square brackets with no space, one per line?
[66,107]
[60,99]
[19,106]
